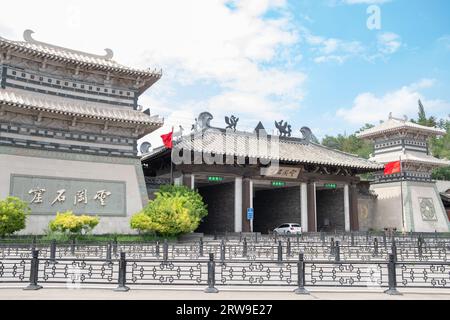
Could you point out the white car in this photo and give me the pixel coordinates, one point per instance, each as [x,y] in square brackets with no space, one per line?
[288,228]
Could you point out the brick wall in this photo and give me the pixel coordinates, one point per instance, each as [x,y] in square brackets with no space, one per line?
[220,201]
[276,206]
[330,205]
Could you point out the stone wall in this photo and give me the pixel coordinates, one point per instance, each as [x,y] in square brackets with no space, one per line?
[220,201]
[276,206]
[67,166]
[330,205]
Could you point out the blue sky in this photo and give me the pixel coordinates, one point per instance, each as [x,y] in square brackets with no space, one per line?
[421,27]
[312,62]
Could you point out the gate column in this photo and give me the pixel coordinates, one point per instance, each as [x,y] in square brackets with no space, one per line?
[312,207]
[247,202]
[238,204]
[304,206]
[354,223]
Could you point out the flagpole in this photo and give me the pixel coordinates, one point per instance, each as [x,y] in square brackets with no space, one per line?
[401,194]
[171,162]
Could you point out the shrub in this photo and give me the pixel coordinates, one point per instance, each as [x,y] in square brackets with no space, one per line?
[67,222]
[13,214]
[175,210]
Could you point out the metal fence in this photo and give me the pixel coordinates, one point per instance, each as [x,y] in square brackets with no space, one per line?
[286,249]
[40,271]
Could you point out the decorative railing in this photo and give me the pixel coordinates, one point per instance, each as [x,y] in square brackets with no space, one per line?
[212,274]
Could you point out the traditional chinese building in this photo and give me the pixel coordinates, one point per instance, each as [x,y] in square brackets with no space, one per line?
[407,200]
[69,125]
[284,179]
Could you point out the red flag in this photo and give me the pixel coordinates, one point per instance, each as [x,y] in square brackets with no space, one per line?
[167,139]
[392,167]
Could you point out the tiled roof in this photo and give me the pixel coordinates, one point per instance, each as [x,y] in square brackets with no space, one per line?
[289,150]
[394,124]
[26,100]
[411,156]
[44,50]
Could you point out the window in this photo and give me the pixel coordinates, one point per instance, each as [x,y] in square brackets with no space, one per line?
[41,79]
[90,87]
[49,80]
[32,77]
[82,86]
[58,82]
[128,93]
[24,75]
[66,84]
[114,91]
[105,90]
[14,73]
[98,89]
[74,85]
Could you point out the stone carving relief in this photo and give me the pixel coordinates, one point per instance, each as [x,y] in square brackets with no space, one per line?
[427,209]
[18,118]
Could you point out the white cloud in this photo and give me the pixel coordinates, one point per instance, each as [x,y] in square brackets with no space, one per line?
[445,41]
[339,50]
[232,50]
[365,1]
[370,108]
[331,49]
[389,42]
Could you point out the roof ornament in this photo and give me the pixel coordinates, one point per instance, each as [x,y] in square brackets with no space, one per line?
[146,147]
[307,134]
[28,38]
[202,121]
[231,122]
[260,129]
[284,129]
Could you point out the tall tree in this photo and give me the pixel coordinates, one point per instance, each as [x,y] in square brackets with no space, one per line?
[422,117]
[439,146]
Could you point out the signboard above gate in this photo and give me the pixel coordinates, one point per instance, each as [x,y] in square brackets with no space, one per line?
[281,172]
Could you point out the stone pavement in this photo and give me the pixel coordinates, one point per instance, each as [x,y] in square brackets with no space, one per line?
[225,294]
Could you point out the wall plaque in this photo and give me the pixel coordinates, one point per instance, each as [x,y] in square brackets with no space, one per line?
[49,195]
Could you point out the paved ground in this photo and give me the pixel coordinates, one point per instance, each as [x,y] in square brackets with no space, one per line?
[224,294]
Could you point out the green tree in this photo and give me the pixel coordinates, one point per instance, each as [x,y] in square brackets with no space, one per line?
[439,146]
[441,173]
[422,117]
[350,144]
[13,214]
[175,210]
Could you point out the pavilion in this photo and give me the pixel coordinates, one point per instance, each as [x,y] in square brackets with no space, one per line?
[283,178]
[407,200]
[69,125]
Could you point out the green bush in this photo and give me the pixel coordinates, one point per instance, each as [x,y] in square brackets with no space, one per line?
[13,214]
[175,210]
[67,222]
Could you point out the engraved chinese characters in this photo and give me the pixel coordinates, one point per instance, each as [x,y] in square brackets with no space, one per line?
[81,196]
[60,197]
[48,195]
[101,196]
[37,195]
